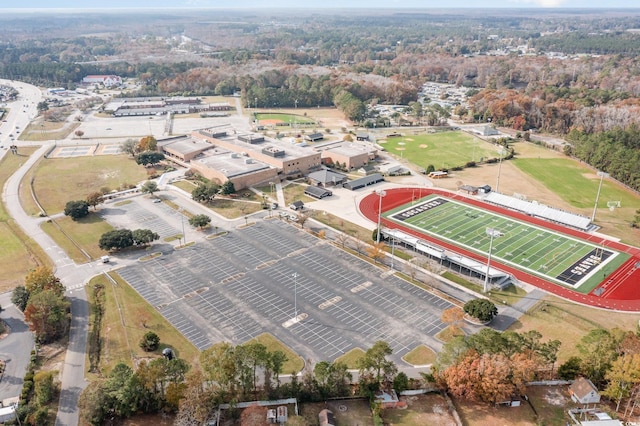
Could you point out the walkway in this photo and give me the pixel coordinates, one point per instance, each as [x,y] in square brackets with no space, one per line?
[74,277]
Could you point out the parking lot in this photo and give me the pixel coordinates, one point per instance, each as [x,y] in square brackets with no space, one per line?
[254,280]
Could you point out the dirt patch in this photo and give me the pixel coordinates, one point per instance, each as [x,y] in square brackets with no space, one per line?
[423,146]
[400,149]
[590,176]
[409,139]
[427,409]
[346,412]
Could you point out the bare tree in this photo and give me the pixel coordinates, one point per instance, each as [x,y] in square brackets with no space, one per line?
[342,238]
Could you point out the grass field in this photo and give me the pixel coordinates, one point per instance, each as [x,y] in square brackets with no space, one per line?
[442,150]
[294,363]
[85,233]
[18,253]
[351,358]
[127,318]
[578,184]
[538,251]
[46,130]
[58,180]
[284,117]
[422,355]
[575,183]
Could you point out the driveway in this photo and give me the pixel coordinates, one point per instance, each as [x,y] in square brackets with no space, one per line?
[15,349]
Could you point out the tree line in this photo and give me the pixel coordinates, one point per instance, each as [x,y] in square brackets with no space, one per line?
[616,152]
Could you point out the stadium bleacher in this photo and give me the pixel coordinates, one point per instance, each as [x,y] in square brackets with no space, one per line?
[542,211]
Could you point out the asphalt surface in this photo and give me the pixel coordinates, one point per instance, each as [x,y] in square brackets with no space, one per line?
[239,285]
[15,349]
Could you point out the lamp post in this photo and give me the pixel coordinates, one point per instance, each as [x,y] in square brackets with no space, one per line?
[491,232]
[393,246]
[499,169]
[295,296]
[184,235]
[381,194]
[595,207]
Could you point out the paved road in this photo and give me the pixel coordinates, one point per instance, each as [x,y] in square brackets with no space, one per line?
[71,275]
[15,349]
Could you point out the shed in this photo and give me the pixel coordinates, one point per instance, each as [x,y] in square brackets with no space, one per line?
[364,181]
[296,205]
[314,137]
[484,189]
[469,189]
[583,391]
[326,418]
[362,136]
[317,192]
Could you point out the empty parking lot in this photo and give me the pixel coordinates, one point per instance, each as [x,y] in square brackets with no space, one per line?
[254,280]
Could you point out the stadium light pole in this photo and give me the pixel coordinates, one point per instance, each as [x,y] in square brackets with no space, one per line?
[295,296]
[184,235]
[595,207]
[499,168]
[491,232]
[381,193]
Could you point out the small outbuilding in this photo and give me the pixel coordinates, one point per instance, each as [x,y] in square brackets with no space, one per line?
[314,137]
[469,189]
[583,391]
[317,192]
[296,205]
[364,181]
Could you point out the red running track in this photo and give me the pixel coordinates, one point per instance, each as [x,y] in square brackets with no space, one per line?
[620,289]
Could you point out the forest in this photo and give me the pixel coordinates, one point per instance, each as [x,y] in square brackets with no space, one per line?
[559,72]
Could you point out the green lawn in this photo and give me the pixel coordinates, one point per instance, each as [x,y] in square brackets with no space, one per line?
[18,253]
[127,318]
[442,150]
[574,182]
[58,180]
[294,362]
[351,358]
[286,118]
[422,355]
[85,233]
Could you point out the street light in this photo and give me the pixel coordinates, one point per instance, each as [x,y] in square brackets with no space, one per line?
[499,168]
[295,296]
[184,235]
[381,193]
[595,207]
[393,246]
[491,232]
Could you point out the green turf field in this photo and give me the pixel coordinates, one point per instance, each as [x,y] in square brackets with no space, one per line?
[573,182]
[442,150]
[285,118]
[550,255]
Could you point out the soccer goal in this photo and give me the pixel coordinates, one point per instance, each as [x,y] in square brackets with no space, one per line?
[613,205]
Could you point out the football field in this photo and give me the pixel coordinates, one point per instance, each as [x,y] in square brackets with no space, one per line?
[553,256]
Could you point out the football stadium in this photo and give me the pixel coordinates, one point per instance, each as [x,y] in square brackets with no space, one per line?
[553,251]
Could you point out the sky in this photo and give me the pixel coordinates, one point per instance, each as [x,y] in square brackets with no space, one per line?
[226,4]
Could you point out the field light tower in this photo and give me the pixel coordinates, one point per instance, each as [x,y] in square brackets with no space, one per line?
[381,193]
[295,296]
[595,207]
[491,232]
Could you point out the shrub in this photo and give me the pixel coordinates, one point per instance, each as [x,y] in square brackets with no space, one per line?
[482,309]
[150,341]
